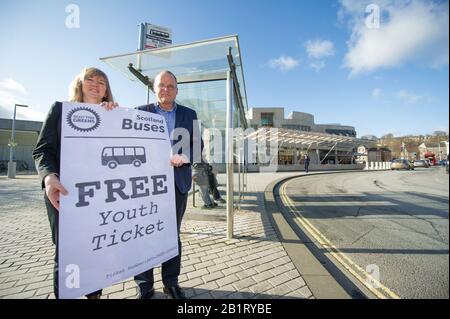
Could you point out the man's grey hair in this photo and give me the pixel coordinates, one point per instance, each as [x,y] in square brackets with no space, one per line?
[166,72]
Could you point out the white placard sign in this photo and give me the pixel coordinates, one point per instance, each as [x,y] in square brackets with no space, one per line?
[119,218]
[157,36]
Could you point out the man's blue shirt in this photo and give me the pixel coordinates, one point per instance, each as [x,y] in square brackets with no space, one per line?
[169,116]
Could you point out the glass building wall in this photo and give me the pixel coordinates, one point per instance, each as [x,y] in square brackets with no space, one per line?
[201,69]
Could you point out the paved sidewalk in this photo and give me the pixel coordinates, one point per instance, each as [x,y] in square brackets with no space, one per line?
[254,264]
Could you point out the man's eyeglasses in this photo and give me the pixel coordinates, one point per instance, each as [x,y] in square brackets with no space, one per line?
[169,87]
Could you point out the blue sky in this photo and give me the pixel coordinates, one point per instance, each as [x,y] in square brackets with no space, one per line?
[319,57]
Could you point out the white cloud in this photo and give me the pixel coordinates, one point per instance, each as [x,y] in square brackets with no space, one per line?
[317,65]
[284,63]
[319,49]
[12,92]
[7,99]
[11,85]
[353,6]
[410,31]
[409,97]
[23,113]
[443,129]
[377,92]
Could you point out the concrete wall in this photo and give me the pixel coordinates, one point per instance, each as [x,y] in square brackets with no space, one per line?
[254,115]
[300,118]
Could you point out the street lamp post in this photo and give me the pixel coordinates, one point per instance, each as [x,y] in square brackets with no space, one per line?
[440,153]
[11,163]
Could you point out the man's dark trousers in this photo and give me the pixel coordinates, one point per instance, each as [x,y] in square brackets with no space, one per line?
[213,185]
[170,270]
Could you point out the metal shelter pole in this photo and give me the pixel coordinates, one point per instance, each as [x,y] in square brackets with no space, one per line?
[238,153]
[229,155]
[328,153]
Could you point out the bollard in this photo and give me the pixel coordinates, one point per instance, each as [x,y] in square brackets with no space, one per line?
[12,169]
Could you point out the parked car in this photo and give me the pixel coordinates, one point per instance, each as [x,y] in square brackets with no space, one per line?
[421,163]
[428,162]
[402,164]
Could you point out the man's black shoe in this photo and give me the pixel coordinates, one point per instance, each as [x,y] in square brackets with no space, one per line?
[148,295]
[220,200]
[175,292]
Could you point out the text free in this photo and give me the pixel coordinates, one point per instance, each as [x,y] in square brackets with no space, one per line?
[116,187]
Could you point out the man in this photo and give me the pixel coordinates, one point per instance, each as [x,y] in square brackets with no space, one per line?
[179,119]
[213,185]
[200,177]
[306,163]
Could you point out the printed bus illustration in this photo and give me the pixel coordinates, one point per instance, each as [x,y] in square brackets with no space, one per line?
[122,155]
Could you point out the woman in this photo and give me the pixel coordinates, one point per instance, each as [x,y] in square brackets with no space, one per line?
[90,86]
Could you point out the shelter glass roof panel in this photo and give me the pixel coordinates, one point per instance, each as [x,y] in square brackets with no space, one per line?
[201,70]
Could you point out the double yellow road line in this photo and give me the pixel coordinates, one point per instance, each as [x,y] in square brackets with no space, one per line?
[376,287]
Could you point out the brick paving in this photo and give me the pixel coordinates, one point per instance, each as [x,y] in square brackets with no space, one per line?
[253,264]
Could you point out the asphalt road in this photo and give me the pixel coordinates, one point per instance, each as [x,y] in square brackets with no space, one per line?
[392,225]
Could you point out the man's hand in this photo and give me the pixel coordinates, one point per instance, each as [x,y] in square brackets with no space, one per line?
[52,188]
[178,160]
[109,105]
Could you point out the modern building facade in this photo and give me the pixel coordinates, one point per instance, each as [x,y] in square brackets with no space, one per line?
[325,144]
[25,137]
[299,121]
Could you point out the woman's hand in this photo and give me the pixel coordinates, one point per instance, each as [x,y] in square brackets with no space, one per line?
[109,105]
[53,188]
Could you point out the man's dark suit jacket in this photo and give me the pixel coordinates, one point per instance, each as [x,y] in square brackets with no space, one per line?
[184,118]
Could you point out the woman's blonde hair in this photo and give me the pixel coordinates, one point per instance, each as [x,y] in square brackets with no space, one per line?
[76,92]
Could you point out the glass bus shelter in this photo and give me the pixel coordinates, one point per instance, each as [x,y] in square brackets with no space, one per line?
[210,81]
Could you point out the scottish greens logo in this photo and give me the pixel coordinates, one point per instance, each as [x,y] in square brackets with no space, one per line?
[83,119]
